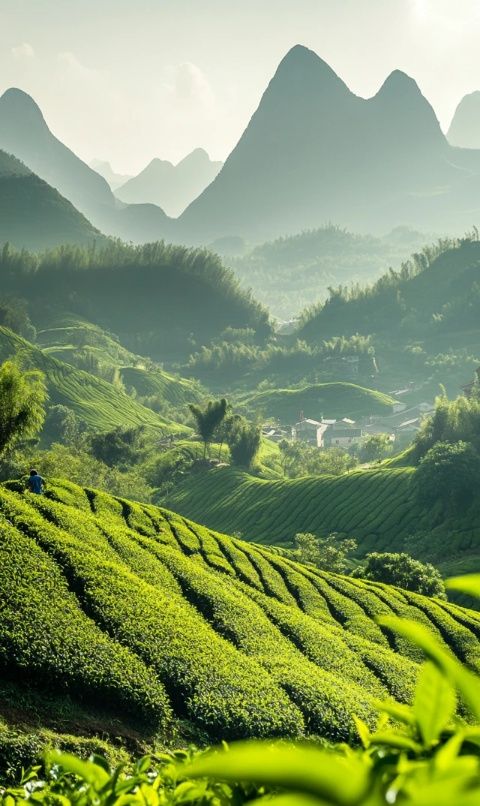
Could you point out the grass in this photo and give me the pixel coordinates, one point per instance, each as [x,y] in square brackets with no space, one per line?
[98,403]
[377,507]
[141,616]
[330,400]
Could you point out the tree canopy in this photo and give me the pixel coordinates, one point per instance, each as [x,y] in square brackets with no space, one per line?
[403,571]
[22,404]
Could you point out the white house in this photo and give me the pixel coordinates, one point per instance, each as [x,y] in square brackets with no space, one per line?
[328,433]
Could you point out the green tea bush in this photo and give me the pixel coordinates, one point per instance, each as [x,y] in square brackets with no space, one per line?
[48,640]
[155,617]
[417,755]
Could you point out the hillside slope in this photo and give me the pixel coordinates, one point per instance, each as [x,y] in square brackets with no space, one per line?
[318,400]
[98,403]
[68,337]
[34,215]
[24,132]
[134,611]
[377,507]
[434,296]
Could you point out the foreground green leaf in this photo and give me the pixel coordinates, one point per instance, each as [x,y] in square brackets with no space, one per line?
[466,682]
[435,703]
[337,779]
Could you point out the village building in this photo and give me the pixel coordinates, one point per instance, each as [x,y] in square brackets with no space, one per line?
[328,433]
[276,433]
[402,425]
[342,434]
[309,431]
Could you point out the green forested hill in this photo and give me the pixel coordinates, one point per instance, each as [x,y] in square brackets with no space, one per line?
[98,403]
[161,300]
[434,295]
[134,612]
[335,400]
[33,215]
[377,507]
[290,272]
[423,320]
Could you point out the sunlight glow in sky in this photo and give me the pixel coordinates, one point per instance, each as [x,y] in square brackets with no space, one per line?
[129,80]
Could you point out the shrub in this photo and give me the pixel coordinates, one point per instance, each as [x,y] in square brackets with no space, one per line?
[403,571]
[449,473]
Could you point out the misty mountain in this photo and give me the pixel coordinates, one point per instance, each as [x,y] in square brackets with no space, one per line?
[314,152]
[464,129]
[34,215]
[25,133]
[171,187]
[114,179]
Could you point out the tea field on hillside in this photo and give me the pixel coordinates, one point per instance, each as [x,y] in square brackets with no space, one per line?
[377,507]
[100,404]
[139,615]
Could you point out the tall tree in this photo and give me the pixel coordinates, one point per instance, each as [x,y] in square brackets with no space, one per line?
[22,404]
[208,419]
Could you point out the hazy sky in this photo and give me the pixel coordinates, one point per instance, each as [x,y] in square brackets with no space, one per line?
[127,80]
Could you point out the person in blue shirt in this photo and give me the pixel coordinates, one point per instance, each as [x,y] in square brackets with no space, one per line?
[35,483]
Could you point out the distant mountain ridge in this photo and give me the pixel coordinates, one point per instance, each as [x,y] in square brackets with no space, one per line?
[315,152]
[464,129]
[171,187]
[25,133]
[113,178]
[312,153]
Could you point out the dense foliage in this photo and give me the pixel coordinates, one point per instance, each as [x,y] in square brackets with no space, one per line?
[328,553]
[403,571]
[453,421]
[240,360]
[162,300]
[449,474]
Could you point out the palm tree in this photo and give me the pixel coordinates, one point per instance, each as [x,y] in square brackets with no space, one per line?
[208,419]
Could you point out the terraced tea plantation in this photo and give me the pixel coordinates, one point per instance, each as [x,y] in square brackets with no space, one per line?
[174,390]
[377,507]
[66,334]
[99,403]
[134,611]
[334,400]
